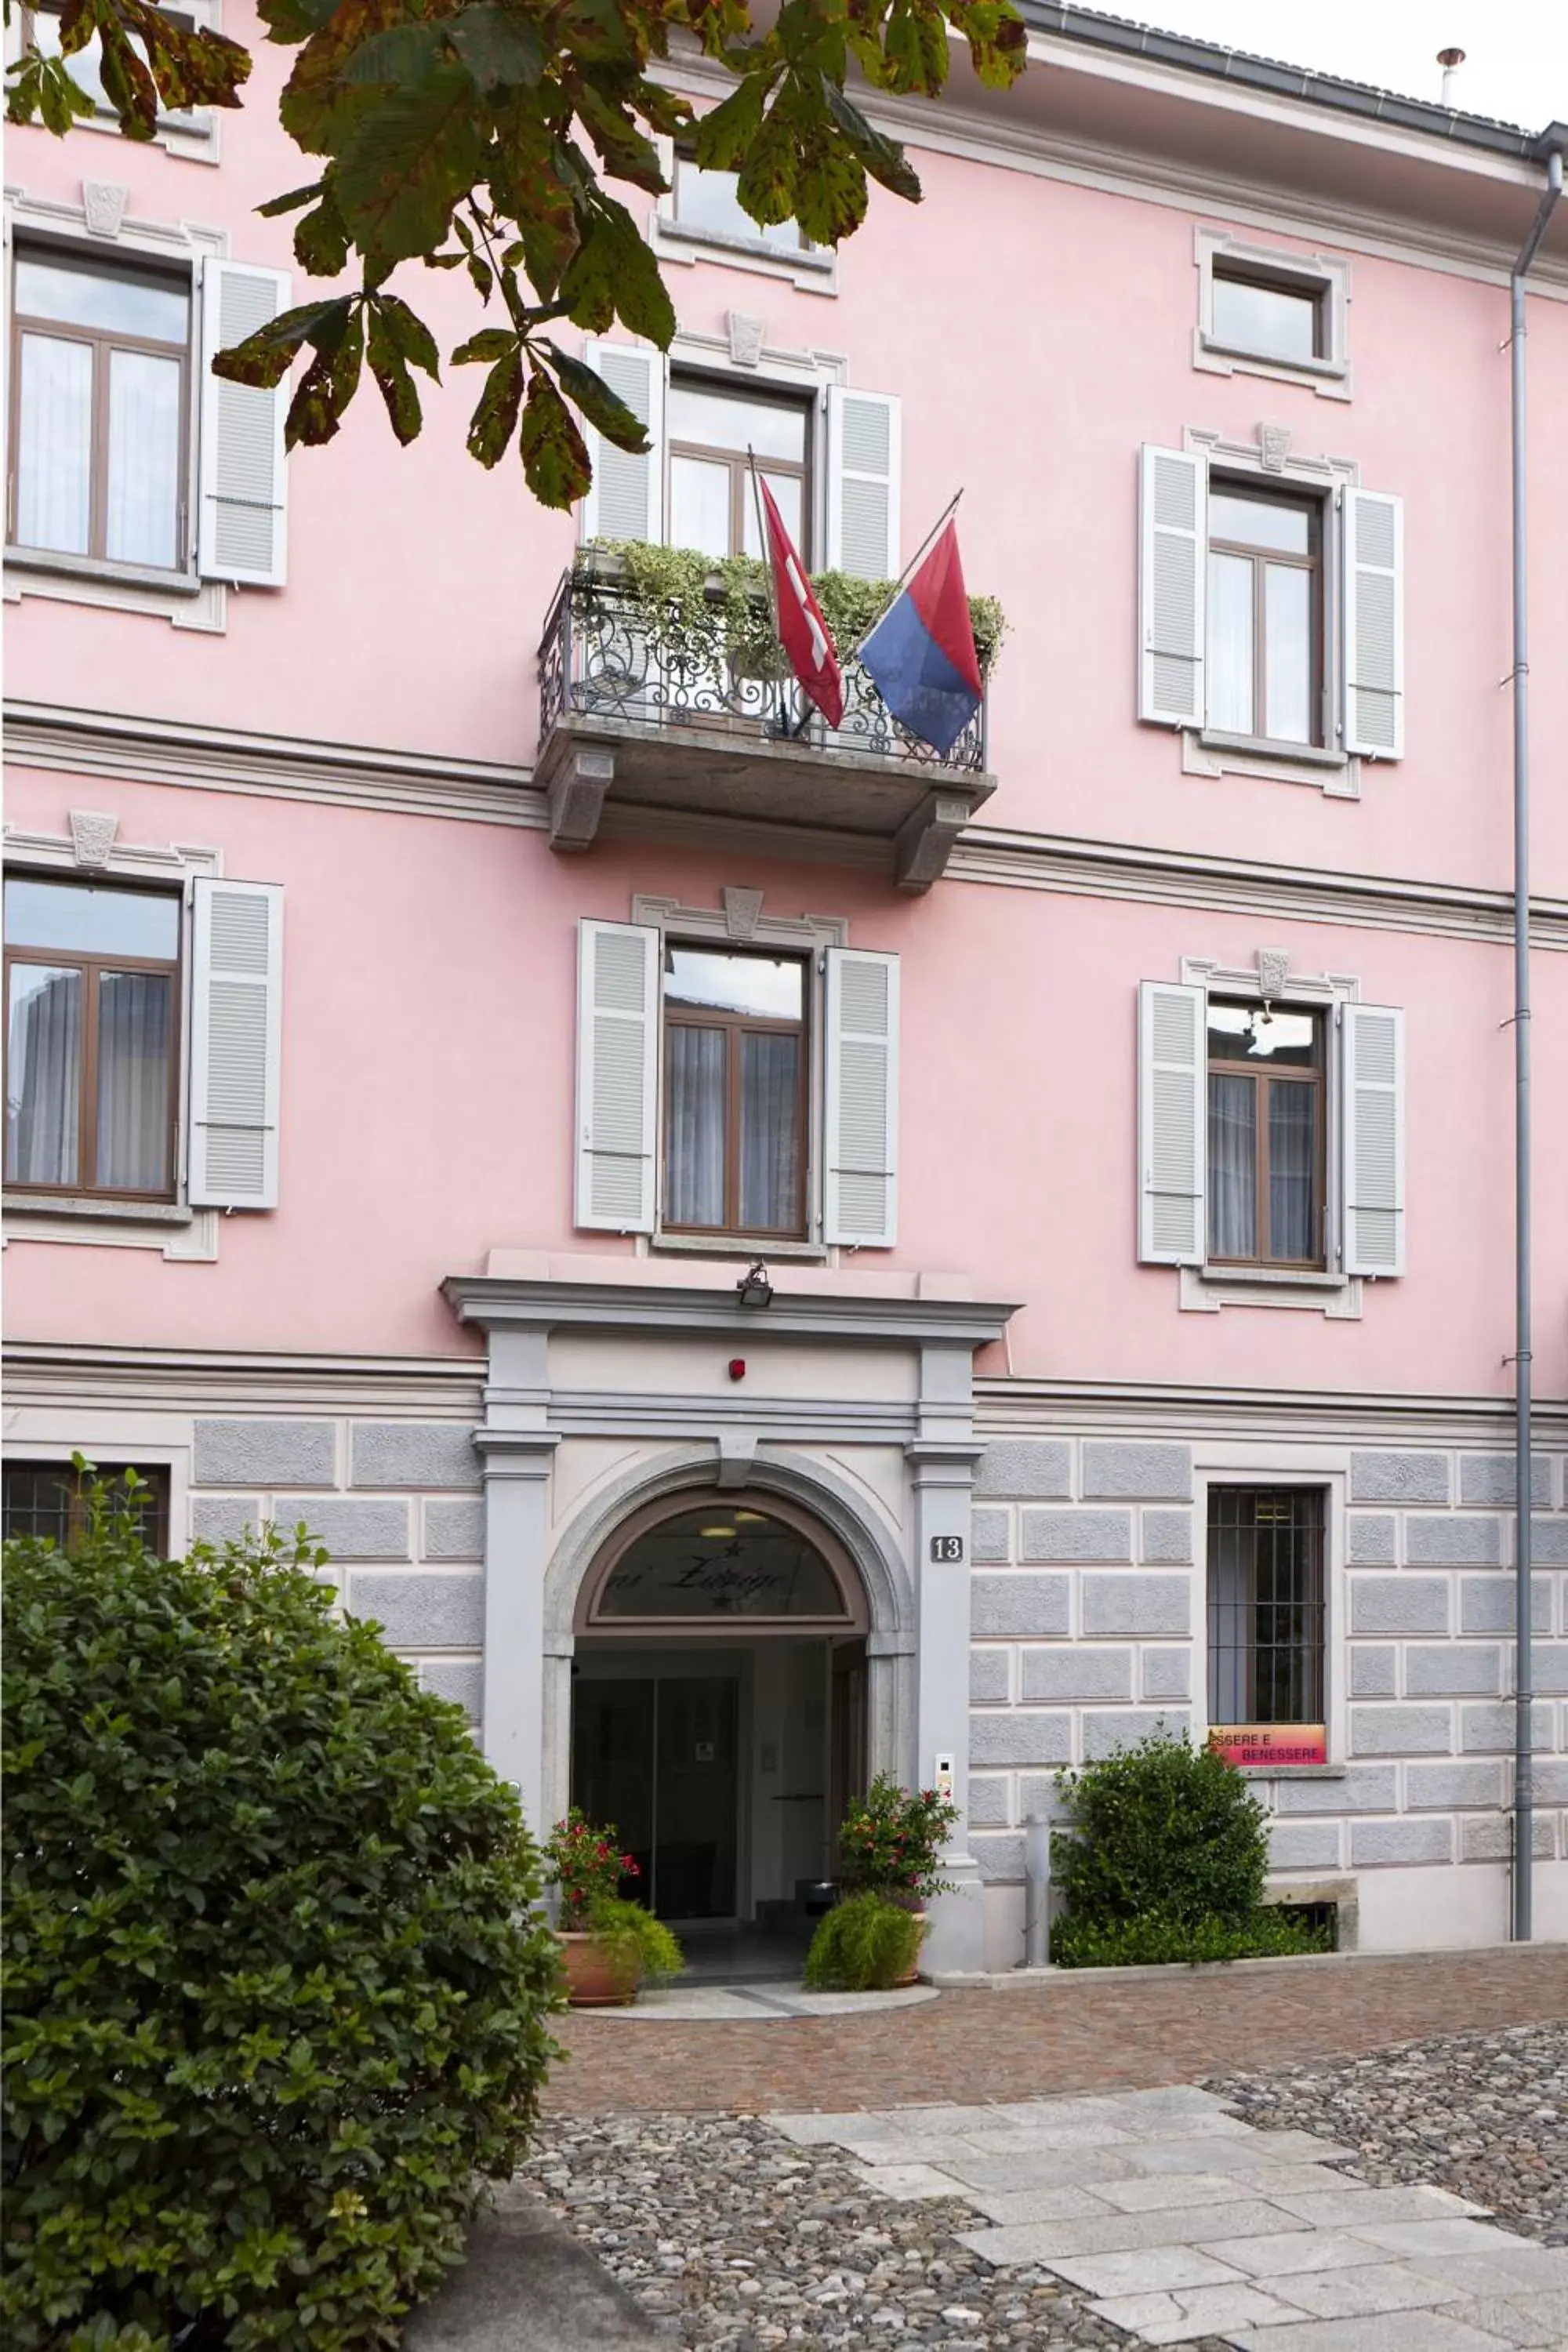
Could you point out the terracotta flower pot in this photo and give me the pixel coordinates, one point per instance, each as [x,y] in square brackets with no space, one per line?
[597,1975]
[912,1976]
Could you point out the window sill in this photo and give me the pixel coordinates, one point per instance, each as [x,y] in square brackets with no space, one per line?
[1207,754]
[1206,1290]
[97,1204]
[727,1246]
[1294,1771]
[94,567]
[83,1221]
[755,248]
[175,596]
[810,272]
[1330,379]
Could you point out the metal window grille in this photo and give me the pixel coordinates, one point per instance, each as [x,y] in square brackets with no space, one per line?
[48,1499]
[1266,1604]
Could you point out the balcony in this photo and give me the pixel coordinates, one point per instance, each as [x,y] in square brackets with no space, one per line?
[654,711]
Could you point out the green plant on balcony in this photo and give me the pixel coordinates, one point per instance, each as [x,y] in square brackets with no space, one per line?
[703,612]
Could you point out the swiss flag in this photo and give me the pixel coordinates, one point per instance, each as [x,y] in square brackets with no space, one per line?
[802,632]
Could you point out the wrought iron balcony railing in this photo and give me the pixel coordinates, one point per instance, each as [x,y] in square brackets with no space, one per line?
[607,655]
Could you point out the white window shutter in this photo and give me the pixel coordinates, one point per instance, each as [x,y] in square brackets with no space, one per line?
[1172,1123]
[242,534]
[1172,573]
[237,1029]
[1372,656]
[625,498]
[1372,1127]
[863,461]
[860,1077]
[617,1074]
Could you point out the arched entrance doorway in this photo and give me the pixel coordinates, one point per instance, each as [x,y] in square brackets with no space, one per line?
[719,1702]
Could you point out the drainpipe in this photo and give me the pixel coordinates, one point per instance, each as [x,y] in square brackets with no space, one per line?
[1551,146]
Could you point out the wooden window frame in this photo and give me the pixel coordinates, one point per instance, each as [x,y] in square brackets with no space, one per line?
[736,1026]
[709,454]
[1309,503]
[1293,1074]
[92,969]
[1313,1601]
[103,344]
[1223,269]
[156,1475]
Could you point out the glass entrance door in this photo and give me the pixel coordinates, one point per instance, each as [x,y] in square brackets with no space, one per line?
[658,1756]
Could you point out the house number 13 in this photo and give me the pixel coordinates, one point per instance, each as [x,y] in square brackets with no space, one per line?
[947,1548]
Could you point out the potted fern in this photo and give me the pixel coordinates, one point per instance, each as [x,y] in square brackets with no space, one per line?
[890,1845]
[609,1947]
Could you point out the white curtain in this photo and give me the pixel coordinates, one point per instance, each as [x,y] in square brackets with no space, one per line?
[133,1081]
[1229,665]
[695,1154]
[1292,1167]
[1233,1167]
[44,1077]
[143,460]
[54,452]
[770,1131]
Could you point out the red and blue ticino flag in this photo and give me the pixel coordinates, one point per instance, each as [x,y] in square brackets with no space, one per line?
[920,655]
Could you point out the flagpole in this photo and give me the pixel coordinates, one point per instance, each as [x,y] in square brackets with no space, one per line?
[896,591]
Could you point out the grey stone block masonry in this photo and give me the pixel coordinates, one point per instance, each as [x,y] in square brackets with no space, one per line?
[989,1534]
[999,1857]
[459,1679]
[414,1454]
[1402,1731]
[1370,1539]
[1488,1478]
[1399,1477]
[1167,1674]
[422,1612]
[1304,1845]
[990,1676]
[1115,1604]
[1399,1604]
[1035,1736]
[1168,1536]
[1549,1542]
[1446,1788]
[1025,1466]
[1136,1470]
[1453,1540]
[1489,1730]
[454,1530]
[1019,1604]
[350,1531]
[1077,1536]
[265,1454]
[1424,1840]
[1487,1604]
[989,1801]
[1077,1672]
[1362,1789]
[1105,1734]
[1375,1670]
[224,1519]
[1452,1670]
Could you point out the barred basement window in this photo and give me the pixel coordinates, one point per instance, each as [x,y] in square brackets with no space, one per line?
[49,1499]
[1266,1604]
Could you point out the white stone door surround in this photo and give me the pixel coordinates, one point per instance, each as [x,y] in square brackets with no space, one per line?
[858,1407]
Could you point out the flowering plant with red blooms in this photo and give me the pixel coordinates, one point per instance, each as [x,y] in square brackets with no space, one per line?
[587,1866]
[890,1841]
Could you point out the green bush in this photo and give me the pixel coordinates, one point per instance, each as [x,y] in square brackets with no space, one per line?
[863,1945]
[1271,1933]
[1167,1863]
[640,1947]
[277,1990]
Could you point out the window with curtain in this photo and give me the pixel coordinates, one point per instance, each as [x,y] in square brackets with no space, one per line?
[734,1093]
[712,506]
[50,1500]
[1278,318]
[92,1030]
[41,26]
[1266,1141]
[1264,614]
[1265,1606]
[100,421]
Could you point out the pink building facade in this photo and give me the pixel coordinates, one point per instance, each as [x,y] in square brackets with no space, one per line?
[428,997]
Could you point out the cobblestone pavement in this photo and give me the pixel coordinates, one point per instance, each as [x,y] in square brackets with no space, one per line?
[1483,2114]
[1071,2225]
[1069,2035]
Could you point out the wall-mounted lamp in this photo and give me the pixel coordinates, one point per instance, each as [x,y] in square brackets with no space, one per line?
[754,1289]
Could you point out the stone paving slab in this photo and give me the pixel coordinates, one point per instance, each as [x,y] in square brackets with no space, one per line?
[1185,2226]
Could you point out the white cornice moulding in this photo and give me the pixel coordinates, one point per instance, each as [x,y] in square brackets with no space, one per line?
[84,743]
[970,136]
[1026,1407]
[503,1303]
[70,1374]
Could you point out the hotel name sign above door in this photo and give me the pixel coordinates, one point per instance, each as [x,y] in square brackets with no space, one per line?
[721,1563]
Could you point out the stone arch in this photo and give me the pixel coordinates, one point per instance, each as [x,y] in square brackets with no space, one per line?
[814,1487]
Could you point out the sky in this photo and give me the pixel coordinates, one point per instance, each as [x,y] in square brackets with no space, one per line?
[1516,51]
